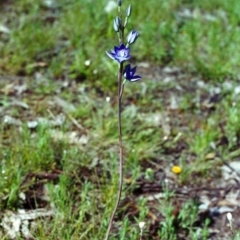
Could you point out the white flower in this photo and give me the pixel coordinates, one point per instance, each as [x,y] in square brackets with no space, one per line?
[229,217]
[141,225]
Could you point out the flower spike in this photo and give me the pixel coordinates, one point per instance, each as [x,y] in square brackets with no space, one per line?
[121,54]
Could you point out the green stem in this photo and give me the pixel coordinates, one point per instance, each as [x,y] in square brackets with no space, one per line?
[120,92]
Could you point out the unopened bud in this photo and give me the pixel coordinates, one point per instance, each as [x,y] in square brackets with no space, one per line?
[119,2]
[115,25]
[118,22]
[132,37]
[129,11]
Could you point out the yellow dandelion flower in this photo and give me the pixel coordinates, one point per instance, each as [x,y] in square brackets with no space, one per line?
[176,169]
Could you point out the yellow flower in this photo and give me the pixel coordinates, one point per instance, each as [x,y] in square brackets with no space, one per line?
[176,169]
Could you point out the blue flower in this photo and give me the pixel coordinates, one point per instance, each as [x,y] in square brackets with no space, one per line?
[120,54]
[129,74]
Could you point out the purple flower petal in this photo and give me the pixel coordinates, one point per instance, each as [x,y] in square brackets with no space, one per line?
[120,53]
[134,70]
[129,74]
[111,55]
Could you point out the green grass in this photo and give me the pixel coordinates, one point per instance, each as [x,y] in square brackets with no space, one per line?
[46,49]
[75,29]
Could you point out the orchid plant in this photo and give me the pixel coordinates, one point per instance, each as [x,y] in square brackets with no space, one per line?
[121,54]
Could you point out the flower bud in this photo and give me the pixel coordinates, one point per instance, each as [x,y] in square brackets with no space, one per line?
[119,2]
[118,22]
[115,25]
[132,37]
[129,11]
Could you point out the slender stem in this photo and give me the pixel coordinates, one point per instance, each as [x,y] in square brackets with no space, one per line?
[120,92]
